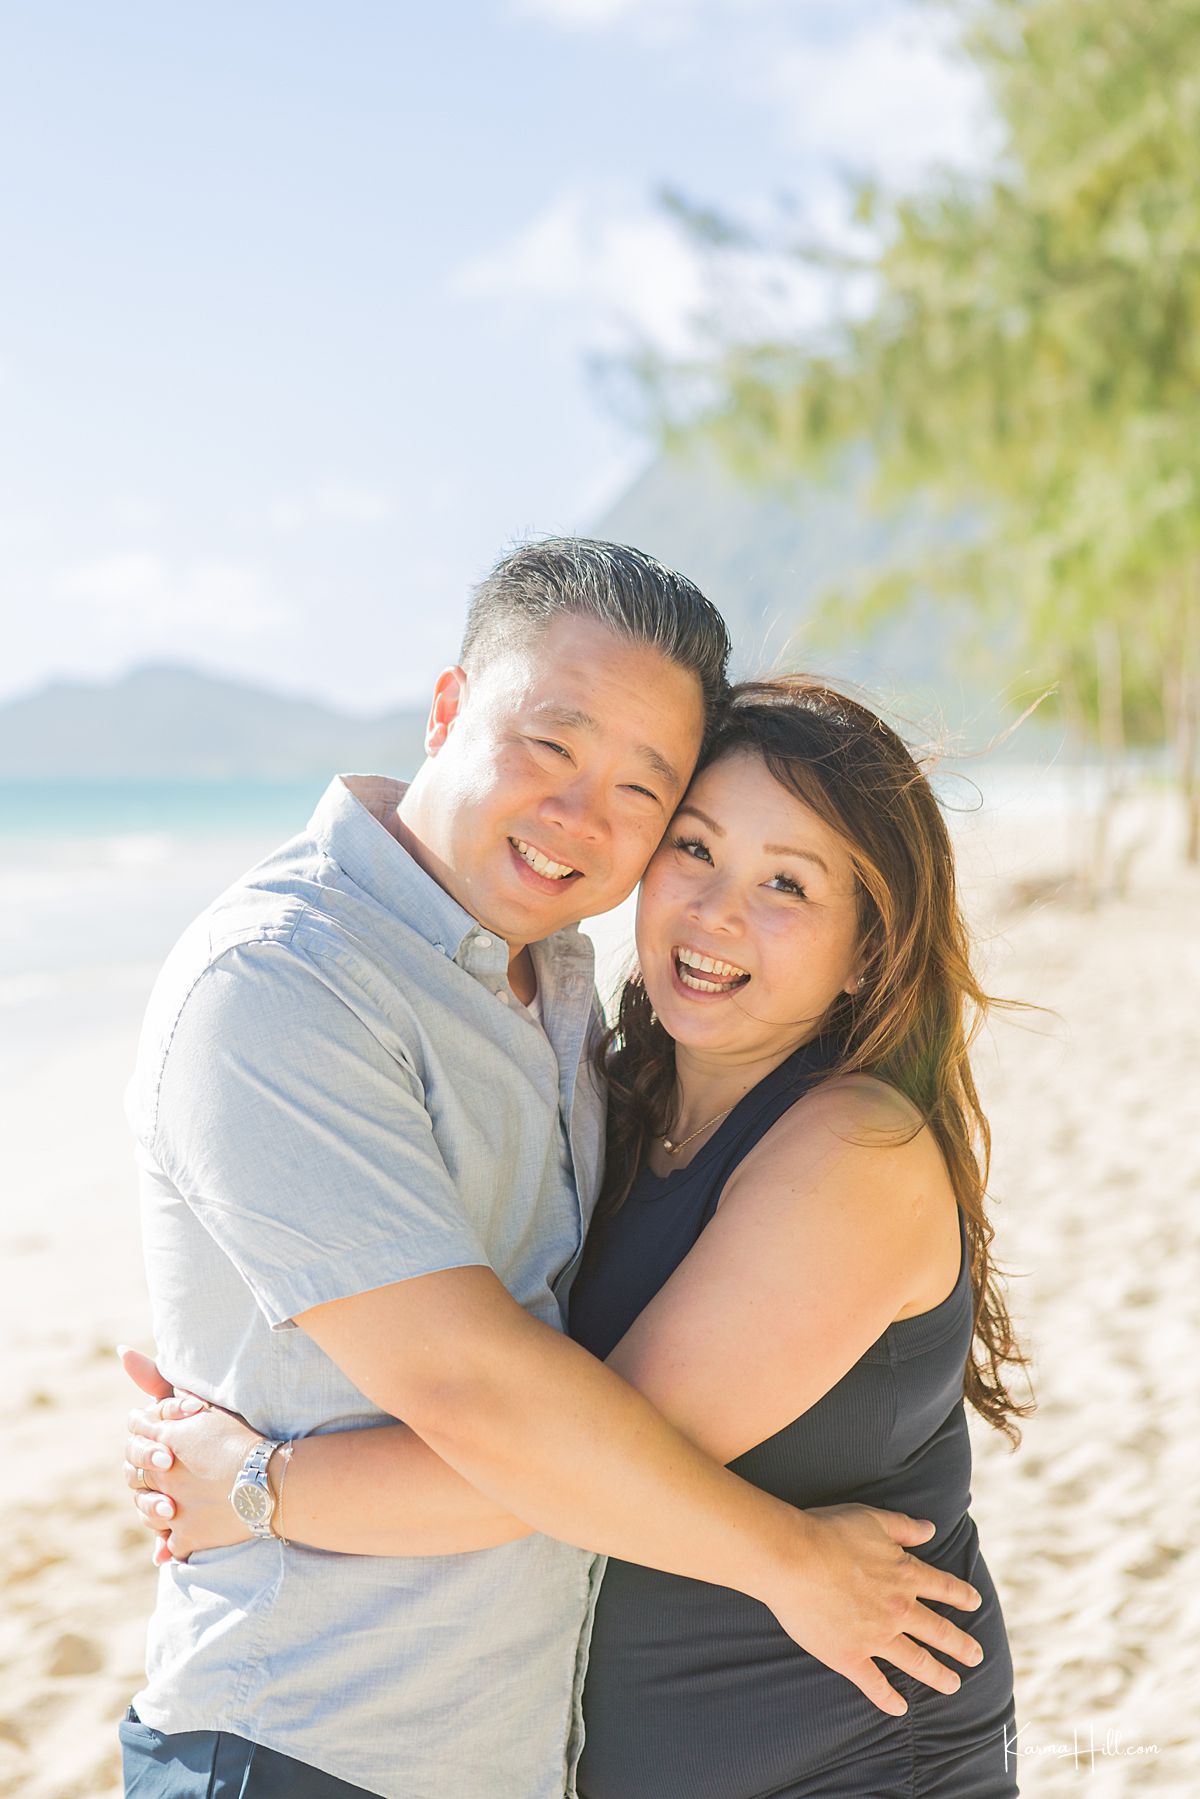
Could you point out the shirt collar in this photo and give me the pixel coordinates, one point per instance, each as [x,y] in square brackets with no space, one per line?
[352,825]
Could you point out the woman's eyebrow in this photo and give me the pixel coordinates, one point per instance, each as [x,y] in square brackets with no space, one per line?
[770,849]
[783,849]
[695,812]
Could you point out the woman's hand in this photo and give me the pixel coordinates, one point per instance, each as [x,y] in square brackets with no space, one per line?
[181,1459]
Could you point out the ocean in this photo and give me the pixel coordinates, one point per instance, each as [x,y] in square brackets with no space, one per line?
[97,879]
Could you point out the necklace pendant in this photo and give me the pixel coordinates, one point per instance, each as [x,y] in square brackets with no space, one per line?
[669,1147]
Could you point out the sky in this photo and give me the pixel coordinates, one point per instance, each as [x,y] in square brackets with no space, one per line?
[301,304]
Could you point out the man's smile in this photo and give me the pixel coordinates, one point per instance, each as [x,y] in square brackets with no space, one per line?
[534,864]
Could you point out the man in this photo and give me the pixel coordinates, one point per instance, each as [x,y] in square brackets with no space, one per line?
[370,1140]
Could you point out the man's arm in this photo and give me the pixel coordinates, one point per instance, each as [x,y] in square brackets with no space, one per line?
[818,1243]
[543,1429]
[346,1188]
[556,1439]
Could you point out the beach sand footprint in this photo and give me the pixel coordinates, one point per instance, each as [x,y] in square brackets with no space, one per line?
[74,1654]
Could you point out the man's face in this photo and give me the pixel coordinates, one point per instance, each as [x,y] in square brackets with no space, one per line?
[569,753]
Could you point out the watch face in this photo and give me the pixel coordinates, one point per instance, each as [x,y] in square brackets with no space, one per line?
[252,1504]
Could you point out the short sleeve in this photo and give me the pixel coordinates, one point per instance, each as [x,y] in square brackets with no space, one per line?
[300,1141]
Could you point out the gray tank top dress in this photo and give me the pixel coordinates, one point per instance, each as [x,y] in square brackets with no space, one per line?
[694,1691]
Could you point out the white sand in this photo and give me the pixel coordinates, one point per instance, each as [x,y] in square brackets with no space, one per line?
[1092,1530]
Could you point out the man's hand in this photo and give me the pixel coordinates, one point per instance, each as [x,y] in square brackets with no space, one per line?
[181,1459]
[858,1595]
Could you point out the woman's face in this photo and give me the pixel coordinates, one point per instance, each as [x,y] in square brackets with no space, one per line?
[747,925]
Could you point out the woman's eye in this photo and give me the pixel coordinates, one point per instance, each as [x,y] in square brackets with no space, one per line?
[785,884]
[691,846]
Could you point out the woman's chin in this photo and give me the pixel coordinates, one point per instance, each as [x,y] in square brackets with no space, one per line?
[704,1019]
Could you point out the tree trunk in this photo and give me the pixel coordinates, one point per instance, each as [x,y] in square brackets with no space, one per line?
[1110,711]
[1181,695]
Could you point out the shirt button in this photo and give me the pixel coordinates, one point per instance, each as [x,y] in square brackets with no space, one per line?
[485,942]
[502,996]
[440,948]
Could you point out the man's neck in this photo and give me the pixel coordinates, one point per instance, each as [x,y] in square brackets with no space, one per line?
[521,976]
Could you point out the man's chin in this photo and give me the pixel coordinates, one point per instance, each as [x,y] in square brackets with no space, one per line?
[520,918]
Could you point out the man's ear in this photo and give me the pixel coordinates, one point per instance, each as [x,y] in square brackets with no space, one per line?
[449,698]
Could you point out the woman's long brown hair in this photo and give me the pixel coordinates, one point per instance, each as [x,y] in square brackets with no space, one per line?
[920,1006]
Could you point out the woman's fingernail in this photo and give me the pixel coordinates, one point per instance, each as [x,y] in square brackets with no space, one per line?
[164,1508]
[190,1405]
[161,1458]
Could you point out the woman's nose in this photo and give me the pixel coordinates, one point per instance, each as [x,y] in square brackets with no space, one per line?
[715,904]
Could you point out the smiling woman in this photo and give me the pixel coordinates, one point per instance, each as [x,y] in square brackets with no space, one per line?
[791,1256]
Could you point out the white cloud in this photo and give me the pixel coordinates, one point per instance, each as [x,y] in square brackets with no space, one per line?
[877,88]
[617,263]
[655,18]
[875,85]
[892,97]
[137,589]
[131,513]
[617,267]
[336,503]
[574,14]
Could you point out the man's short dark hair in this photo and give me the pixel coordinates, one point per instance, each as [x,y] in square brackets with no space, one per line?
[616,585]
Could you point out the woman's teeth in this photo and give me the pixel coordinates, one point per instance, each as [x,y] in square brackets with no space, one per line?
[553,871]
[705,974]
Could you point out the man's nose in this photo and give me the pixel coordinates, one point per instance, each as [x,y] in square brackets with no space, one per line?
[577,806]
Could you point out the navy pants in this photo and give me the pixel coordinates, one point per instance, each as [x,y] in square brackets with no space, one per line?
[212,1764]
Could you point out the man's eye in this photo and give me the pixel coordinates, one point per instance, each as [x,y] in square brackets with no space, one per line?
[644,790]
[546,744]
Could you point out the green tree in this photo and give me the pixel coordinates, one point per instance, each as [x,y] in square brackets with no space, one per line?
[1029,360]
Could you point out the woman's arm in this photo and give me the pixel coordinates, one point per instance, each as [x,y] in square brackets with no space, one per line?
[824,1235]
[841,1220]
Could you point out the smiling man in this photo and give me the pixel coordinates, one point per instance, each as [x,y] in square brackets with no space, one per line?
[370,1139]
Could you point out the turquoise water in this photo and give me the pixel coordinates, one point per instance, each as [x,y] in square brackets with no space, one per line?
[72,809]
[97,879]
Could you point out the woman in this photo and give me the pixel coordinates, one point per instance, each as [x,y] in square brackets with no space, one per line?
[790,1260]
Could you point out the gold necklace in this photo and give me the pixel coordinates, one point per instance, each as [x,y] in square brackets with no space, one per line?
[673,1149]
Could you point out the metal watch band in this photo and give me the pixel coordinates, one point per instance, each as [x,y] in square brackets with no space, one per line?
[253,1473]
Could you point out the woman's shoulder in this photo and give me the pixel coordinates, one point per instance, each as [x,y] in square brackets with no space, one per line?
[857,1104]
[852,1121]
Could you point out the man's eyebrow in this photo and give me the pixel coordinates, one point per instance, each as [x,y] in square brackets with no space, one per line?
[771,849]
[572,718]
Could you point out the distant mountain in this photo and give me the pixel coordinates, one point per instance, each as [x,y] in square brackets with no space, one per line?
[179,724]
[767,557]
[764,557]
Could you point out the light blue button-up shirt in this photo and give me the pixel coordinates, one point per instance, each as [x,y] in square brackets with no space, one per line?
[335,1090]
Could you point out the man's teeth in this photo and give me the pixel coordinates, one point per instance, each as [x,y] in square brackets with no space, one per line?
[693,967]
[553,871]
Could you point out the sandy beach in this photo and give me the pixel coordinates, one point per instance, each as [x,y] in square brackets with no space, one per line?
[1092,1529]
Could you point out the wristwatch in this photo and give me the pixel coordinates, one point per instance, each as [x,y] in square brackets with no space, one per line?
[252,1498]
